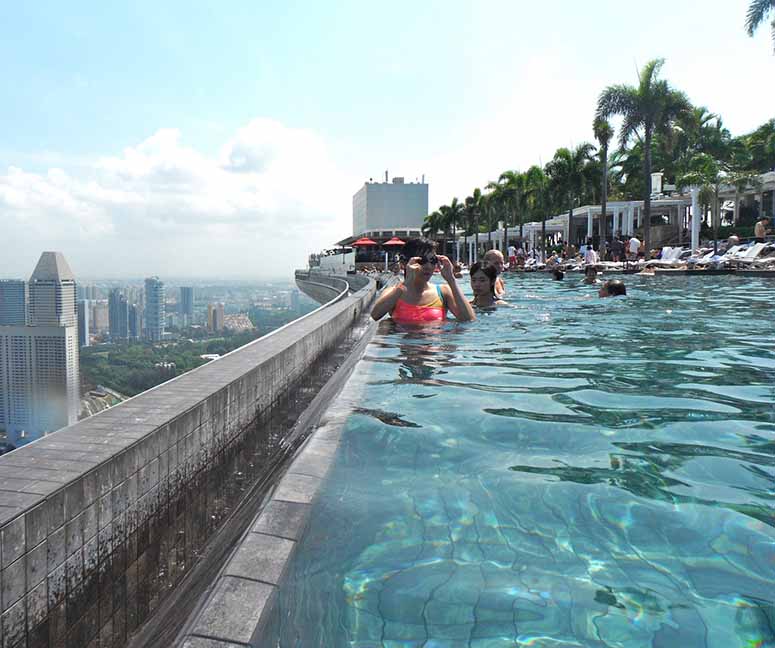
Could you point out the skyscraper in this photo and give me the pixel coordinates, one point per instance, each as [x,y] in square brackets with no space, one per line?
[135,322]
[187,304]
[13,302]
[215,317]
[84,311]
[154,309]
[118,315]
[39,390]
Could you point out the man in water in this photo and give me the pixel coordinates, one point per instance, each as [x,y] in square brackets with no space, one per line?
[612,288]
[494,258]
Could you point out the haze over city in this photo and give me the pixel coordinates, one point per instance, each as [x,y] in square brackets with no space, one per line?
[227,142]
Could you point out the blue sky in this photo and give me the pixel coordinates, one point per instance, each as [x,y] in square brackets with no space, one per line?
[124,120]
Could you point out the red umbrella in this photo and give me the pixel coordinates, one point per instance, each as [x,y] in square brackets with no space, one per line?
[394,241]
[363,241]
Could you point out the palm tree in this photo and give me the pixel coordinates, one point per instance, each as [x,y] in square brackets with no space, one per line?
[757,14]
[432,224]
[603,134]
[512,185]
[705,174]
[566,171]
[472,209]
[536,189]
[651,107]
[453,215]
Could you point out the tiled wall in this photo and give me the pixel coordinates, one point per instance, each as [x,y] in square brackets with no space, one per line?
[101,519]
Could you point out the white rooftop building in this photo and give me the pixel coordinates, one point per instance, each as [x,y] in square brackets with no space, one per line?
[383,206]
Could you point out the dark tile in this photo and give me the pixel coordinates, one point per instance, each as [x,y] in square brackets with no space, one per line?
[12,536]
[14,578]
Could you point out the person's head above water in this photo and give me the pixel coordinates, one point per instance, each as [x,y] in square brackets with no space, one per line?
[590,271]
[483,279]
[612,288]
[558,275]
[494,258]
[425,250]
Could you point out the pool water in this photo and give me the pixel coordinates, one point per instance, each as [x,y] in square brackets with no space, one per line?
[566,471]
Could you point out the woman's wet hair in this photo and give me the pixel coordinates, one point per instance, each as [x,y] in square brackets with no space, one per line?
[488,270]
[589,270]
[615,287]
[418,247]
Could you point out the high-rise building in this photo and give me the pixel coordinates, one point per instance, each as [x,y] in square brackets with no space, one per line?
[100,316]
[187,304]
[39,390]
[84,312]
[379,206]
[118,315]
[14,297]
[215,317]
[135,322]
[154,309]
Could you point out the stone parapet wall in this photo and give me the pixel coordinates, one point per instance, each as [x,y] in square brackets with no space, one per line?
[100,520]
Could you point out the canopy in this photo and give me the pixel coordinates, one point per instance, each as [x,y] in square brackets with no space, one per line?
[363,242]
[394,241]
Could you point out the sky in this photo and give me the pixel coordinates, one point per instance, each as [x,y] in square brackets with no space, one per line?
[226,139]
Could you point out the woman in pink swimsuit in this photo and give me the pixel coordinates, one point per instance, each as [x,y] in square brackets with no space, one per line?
[416,301]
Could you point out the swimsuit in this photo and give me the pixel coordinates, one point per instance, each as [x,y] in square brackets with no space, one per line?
[416,314]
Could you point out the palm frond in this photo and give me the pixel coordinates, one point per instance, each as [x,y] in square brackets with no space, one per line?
[757,11]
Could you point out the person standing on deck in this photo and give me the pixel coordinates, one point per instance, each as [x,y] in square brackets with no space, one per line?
[760,229]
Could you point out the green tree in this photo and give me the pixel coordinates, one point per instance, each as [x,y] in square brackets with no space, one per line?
[603,134]
[472,212]
[537,199]
[568,175]
[652,106]
[758,11]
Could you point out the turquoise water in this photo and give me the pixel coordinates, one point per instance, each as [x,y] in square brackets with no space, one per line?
[568,471]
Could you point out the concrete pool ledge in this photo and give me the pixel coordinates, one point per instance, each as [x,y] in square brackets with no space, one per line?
[240,607]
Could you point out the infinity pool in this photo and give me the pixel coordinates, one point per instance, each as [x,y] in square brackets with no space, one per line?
[567,471]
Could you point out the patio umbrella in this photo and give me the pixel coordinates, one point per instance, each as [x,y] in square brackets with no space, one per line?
[363,242]
[394,242]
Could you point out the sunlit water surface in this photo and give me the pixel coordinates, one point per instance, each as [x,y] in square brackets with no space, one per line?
[566,471]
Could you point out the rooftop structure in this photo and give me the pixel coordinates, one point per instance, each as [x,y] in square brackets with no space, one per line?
[389,206]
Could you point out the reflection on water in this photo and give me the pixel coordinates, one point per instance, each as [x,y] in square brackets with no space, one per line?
[567,471]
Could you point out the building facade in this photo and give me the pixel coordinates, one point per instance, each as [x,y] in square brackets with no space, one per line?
[118,315]
[155,314]
[14,297]
[39,377]
[215,317]
[389,206]
[187,304]
[84,316]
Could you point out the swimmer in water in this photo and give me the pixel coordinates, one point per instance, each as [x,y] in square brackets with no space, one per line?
[612,288]
[494,258]
[415,300]
[483,278]
[590,275]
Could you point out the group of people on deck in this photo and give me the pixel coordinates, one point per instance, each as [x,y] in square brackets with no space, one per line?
[416,301]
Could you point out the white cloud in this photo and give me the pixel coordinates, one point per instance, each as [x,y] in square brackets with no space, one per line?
[257,208]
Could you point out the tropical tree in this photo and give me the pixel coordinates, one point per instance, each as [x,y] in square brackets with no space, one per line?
[432,224]
[453,215]
[757,14]
[537,199]
[705,173]
[472,211]
[652,106]
[567,174]
[603,134]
